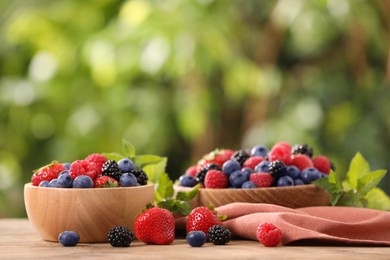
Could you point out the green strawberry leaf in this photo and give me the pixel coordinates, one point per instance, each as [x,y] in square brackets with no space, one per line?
[175,206]
[378,199]
[156,169]
[357,169]
[164,188]
[369,181]
[188,195]
[128,149]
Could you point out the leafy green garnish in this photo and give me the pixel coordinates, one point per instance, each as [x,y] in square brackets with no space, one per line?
[154,167]
[358,189]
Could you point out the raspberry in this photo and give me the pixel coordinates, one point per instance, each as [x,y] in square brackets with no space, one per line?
[191,171]
[47,173]
[268,235]
[281,153]
[201,174]
[216,179]
[303,149]
[251,162]
[282,144]
[301,161]
[322,164]
[261,179]
[83,167]
[98,159]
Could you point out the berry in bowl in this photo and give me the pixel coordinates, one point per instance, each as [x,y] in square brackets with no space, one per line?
[282,175]
[88,196]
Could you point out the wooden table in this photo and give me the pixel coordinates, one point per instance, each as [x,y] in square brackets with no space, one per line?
[18,240]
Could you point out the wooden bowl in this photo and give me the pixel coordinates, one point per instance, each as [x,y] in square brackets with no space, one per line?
[89,212]
[292,196]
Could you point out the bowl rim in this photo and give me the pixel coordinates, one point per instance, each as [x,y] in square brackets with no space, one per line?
[30,186]
[296,187]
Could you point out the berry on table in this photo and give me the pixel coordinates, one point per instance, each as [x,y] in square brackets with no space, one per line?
[269,235]
[65,181]
[110,168]
[219,235]
[196,238]
[128,180]
[141,176]
[68,238]
[230,166]
[216,179]
[259,150]
[261,179]
[187,181]
[120,236]
[126,165]
[201,219]
[83,181]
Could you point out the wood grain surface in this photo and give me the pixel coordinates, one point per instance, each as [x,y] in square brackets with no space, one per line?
[18,240]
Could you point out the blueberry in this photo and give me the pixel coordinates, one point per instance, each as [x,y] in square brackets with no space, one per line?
[53,183]
[65,181]
[248,185]
[230,166]
[310,174]
[64,172]
[247,171]
[69,238]
[126,165]
[293,171]
[262,167]
[67,165]
[298,182]
[187,181]
[196,238]
[237,178]
[44,184]
[259,150]
[83,181]
[128,179]
[285,181]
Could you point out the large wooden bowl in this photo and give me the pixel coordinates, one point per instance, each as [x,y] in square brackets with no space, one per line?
[89,212]
[292,196]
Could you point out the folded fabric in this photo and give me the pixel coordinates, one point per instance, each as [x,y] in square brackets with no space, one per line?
[329,225]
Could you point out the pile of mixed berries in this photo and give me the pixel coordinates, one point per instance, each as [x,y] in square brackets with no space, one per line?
[95,171]
[260,167]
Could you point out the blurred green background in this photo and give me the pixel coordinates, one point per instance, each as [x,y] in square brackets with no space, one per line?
[181,78]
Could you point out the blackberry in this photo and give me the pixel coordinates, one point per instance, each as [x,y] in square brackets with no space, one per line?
[141,176]
[120,237]
[202,173]
[219,235]
[303,149]
[277,169]
[110,168]
[241,156]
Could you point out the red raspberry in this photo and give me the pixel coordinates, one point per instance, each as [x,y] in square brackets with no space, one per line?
[105,182]
[322,164]
[251,162]
[83,167]
[281,153]
[261,179]
[98,159]
[268,234]
[216,179]
[47,173]
[192,171]
[282,144]
[301,161]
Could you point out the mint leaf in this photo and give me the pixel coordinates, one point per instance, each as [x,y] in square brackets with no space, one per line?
[188,195]
[164,188]
[175,206]
[333,188]
[128,149]
[357,169]
[369,181]
[142,160]
[351,199]
[378,199]
[114,156]
[155,170]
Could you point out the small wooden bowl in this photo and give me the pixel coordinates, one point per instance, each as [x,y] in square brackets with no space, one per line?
[89,212]
[292,196]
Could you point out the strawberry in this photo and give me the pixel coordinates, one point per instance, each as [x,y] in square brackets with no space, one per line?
[301,161]
[201,219]
[216,179]
[253,161]
[261,179]
[98,159]
[322,164]
[47,173]
[268,235]
[281,153]
[218,157]
[155,226]
[83,167]
[105,182]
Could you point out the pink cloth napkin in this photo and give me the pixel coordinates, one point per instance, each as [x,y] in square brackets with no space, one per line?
[328,225]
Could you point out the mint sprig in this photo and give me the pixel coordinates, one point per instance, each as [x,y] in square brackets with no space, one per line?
[358,187]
